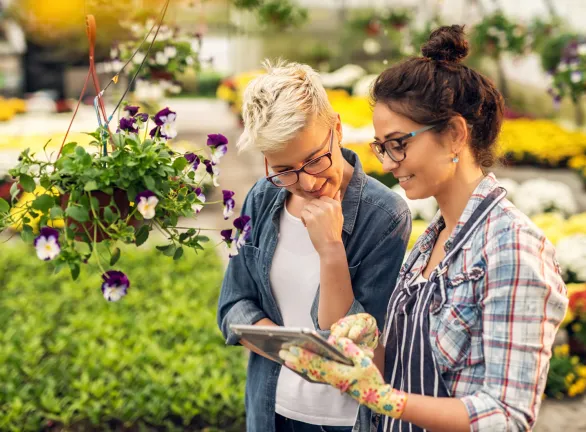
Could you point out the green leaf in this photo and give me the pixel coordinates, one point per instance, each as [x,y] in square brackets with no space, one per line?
[74,268]
[178,253]
[44,203]
[180,163]
[142,235]
[27,233]
[149,183]
[203,239]
[4,206]
[109,215]
[27,182]
[56,213]
[90,186]
[68,148]
[78,213]
[14,190]
[168,250]
[45,182]
[80,151]
[115,256]
[46,144]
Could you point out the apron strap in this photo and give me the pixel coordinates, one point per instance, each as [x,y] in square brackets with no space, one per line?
[465,233]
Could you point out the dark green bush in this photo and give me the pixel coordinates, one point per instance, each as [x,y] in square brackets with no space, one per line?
[69,360]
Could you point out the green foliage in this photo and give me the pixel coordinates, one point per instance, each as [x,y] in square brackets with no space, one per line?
[171,55]
[552,50]
[497,34]
[95,191]
[156,360]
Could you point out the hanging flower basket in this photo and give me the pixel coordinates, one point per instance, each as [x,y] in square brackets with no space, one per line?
[126,184]
[104,209]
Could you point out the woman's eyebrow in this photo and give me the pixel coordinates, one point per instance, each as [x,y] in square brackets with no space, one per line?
[309,157]
[387,136]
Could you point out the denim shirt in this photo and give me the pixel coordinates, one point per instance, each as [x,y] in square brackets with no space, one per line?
[376,229]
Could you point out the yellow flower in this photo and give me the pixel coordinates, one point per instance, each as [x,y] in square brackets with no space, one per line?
[581,370]
[562,350]
[543,139]
[17,210]
[570,378]
[577,388]
[577,327]
[552,225]
[370,164]
[225,93]
[575,225]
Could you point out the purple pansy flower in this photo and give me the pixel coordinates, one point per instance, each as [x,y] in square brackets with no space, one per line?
[128,124]
[131,110]
[146,203]
[243,229]
[228,203]
[193,159]
[227,236]
[143,117]
[47,244]
[213,170]
[218,145]
[115,285]
[197,207]
[230,243]
[165,121]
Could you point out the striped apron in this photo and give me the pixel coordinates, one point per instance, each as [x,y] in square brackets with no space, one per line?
[410,365]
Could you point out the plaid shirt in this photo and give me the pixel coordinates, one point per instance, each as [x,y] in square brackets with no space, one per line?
[492,338]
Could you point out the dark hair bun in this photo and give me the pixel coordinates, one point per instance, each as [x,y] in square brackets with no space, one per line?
[447,43]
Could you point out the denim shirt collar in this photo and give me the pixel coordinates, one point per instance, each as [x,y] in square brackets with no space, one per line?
[351,200]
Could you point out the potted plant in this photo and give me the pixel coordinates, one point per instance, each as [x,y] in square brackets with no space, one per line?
[157,64]
[567,375]
[126,185]
[576,326]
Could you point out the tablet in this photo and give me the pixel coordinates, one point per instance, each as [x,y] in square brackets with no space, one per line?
[270,340]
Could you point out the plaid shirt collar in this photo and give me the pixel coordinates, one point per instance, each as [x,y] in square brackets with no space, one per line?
[486,186]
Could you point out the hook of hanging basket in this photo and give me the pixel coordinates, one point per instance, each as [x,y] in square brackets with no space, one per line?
[91,30]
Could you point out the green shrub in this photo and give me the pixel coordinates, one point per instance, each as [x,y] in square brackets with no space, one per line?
[153,361]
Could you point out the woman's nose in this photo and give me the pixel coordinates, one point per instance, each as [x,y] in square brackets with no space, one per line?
[306,181]
[389,164]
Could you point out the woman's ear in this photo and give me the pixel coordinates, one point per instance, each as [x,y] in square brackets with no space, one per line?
[457,134]
[338,130]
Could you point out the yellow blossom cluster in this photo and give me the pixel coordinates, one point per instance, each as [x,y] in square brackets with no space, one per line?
[575,380]
[540,141]
[555,226]
[11,107]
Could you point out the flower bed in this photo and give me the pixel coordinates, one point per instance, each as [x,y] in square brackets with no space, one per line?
[153,362]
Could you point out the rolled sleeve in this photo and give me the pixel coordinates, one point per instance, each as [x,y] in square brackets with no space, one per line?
[243,312]
[524,303]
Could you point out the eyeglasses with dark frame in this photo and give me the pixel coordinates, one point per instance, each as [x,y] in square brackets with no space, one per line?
[313,167]
[395,147]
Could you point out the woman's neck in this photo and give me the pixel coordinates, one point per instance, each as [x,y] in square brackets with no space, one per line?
[456,195]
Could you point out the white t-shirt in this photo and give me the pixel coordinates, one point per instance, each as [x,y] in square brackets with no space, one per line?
[294,280]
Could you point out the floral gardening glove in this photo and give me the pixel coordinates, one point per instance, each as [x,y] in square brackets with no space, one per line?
[362,381]
[360,328]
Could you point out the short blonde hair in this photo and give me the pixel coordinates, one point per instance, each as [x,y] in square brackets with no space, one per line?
[279,104]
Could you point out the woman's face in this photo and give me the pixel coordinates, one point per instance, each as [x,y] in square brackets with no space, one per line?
[428,167]
[313,141]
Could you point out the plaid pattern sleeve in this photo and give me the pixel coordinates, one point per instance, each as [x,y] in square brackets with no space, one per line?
[523,304]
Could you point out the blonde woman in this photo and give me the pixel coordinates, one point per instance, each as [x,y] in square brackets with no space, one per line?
[327,241]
